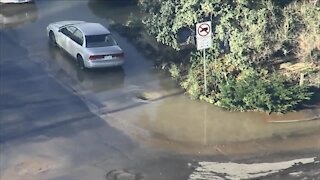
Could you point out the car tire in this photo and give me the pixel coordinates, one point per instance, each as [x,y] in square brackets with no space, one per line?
[52,39]
[80,63]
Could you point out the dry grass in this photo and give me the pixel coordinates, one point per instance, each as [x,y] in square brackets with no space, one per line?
[307,43]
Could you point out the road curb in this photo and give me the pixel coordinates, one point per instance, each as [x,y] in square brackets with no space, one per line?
[295,120]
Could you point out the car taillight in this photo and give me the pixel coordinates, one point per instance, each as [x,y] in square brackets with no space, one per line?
[121,55]
[95,57]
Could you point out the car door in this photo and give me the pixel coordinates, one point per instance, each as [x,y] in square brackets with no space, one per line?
[65,38]
[60,36]
[76,43]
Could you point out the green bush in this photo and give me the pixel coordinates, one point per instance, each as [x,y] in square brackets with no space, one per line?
[131,29]
[174,71]
[272,94]
[192,84]
[247,36]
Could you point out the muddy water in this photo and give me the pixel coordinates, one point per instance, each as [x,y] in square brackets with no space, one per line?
[177,118]
[180,119]
[142,101]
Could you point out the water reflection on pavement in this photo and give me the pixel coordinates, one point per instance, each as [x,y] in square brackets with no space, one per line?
[48,132]
[13,15]
[179,119]
[97,80]
[140,99]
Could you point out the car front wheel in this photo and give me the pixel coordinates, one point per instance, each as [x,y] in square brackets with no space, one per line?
[52,39]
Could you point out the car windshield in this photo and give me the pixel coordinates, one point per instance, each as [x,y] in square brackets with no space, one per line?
[100,40]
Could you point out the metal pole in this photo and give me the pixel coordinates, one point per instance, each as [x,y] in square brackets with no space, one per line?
[205,72]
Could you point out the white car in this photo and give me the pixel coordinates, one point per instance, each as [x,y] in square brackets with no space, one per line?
[91,44]
[14,1]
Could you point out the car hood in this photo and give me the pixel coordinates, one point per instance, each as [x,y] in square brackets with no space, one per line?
[64,23]
[105,50]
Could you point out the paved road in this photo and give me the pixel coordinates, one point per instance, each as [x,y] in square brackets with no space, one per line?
[47,131]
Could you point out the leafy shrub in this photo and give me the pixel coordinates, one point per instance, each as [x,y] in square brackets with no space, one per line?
[301,29]
[246,36]
[271,94]
[174,71]
[192,84]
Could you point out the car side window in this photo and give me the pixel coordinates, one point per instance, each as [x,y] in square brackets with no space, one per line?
[78,37]
[110,41]
[64,31]
[68,31]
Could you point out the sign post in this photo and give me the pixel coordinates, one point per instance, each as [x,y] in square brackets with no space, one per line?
[204,41]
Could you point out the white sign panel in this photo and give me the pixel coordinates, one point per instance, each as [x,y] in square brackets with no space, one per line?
[204,33]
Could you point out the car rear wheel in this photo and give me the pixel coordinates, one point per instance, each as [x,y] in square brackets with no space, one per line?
[52,39]
[80,62]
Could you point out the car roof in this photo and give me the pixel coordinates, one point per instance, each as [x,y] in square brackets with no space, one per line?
[91,28]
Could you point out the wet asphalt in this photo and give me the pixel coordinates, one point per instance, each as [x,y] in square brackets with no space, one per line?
[48,130]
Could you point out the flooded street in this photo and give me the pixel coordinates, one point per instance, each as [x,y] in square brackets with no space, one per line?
[167,114]
[60,122]
[180,119]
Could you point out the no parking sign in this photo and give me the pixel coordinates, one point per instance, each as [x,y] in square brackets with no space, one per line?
[204,41]
[204,33]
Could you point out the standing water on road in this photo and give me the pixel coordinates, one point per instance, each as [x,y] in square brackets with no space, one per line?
[145,102]
[47,132]
[172,116]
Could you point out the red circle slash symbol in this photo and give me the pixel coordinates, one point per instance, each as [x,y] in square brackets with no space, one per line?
[204,29]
